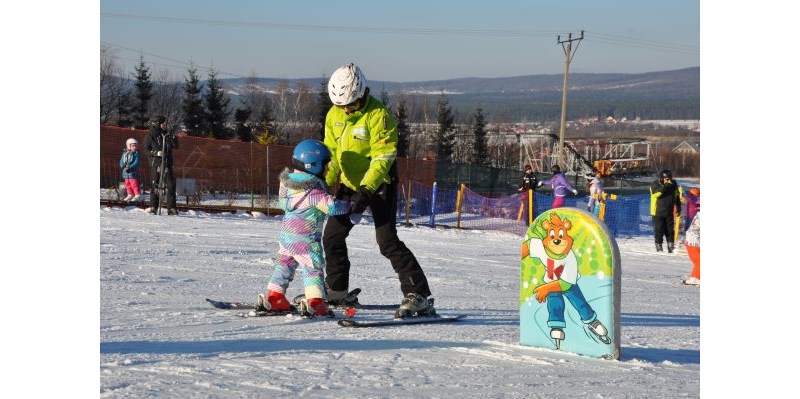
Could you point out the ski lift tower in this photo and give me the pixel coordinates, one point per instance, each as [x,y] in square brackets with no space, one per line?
[569,54]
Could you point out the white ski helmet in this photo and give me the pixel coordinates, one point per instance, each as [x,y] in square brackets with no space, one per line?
[131,141]
[347,84]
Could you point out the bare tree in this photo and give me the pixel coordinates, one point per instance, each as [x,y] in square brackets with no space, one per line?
[167,96]
[258,101]
[283,99]
[281,121]
[113,88]
[302,104]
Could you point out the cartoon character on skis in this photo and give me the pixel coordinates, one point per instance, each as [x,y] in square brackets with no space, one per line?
[560,279]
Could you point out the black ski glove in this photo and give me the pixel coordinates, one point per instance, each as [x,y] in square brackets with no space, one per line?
[361,200]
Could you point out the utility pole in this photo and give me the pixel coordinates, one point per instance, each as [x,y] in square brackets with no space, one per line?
[569,54]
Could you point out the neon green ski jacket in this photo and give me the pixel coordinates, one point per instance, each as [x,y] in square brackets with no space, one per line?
[363,145]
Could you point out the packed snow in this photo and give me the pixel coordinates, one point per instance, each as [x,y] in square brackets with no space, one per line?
[160,339]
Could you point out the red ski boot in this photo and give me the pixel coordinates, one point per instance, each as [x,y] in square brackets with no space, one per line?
[318,307]
[275,302]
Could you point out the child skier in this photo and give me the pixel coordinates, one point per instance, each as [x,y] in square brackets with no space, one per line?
[129,162]
[596,192]
[305,201]
[693,248]
[560,187]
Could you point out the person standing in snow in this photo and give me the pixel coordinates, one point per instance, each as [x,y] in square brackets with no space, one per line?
[304,199]
[159,144]
[692,205]
[596,192]
[561,188]
[664,200]
[529,182]
[693,248]
[361,134]
[129,162]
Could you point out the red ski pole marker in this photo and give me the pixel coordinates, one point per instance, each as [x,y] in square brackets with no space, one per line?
[349,312]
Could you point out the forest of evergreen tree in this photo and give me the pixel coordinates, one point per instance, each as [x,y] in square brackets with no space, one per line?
[453,128]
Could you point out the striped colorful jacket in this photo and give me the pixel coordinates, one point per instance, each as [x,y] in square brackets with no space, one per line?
[306,202]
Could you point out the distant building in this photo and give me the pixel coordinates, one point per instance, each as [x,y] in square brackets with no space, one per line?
[687,148]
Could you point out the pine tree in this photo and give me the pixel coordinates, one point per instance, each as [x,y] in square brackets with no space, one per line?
[480,150]
[243,131]
[402,128]
[259,104]
[324,104]
[264,115]
[384,96]
[193,114]
[266,138]
[445,137]
[144,91]
[123,109]
[217,102]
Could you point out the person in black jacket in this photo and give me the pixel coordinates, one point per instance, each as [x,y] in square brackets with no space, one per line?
[159,145]
[529,181]
[664,206]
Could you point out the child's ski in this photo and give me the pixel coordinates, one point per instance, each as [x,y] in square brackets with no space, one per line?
[352,302]
[400,322]
[231,305]
[267,313]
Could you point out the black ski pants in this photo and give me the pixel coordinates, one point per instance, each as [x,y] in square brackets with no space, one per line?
[664,226]
[383,204]
[169,188]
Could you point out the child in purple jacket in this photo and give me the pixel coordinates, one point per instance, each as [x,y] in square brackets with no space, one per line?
[561,188]
[692,205]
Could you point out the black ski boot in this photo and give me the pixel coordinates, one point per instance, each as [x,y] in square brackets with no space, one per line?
[659,248]
[415,305]
[670,247]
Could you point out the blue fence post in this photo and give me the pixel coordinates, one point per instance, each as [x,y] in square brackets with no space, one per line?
[433,205]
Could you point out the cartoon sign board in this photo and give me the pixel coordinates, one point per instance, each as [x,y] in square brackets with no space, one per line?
[570,285]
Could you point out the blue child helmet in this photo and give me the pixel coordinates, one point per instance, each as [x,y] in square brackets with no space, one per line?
[311,156]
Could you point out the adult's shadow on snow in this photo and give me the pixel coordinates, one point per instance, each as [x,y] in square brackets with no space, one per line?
[660,355]
[659,320]
[269,345]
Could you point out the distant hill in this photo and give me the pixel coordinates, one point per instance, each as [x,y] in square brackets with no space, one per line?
[654,95]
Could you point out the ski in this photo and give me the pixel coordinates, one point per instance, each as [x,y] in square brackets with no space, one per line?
[400,322]
[231,305]
[351,302]
[268,313]
[367,306]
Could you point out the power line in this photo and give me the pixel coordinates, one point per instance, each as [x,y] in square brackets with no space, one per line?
[332,28]
[596,36]
[644,44]
[182,66]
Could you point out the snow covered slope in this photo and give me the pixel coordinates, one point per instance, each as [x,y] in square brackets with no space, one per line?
[159,338]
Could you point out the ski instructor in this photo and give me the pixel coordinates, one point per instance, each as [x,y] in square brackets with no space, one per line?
[159,145]
[361,134]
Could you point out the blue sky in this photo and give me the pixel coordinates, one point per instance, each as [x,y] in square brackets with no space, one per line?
[401,41]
